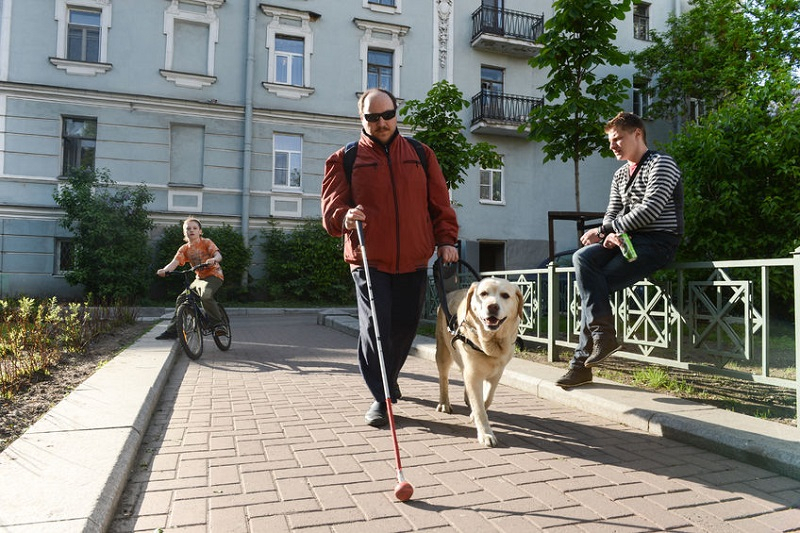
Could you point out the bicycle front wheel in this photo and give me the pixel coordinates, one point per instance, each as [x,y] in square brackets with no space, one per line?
[223,342]
[190,334]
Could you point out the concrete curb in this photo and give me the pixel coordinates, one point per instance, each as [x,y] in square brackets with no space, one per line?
[769,445]
[68,471]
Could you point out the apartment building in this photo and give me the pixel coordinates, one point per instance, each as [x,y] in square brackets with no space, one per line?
[228,109]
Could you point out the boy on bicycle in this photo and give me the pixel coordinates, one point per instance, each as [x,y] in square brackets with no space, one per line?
[208,280]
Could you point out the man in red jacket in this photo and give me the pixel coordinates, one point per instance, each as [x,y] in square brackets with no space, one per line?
[406,214]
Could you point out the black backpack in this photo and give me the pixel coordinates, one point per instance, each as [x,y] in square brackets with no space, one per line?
[351,149]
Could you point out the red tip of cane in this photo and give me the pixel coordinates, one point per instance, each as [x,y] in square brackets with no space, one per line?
[403,491]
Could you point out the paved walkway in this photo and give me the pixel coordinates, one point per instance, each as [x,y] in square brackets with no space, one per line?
[270,437]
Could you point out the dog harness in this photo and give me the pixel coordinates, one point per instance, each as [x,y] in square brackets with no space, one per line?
[458,336]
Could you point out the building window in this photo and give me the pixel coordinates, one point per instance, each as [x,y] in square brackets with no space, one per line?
[381,54]
[79,138]
[290,41]
[379,69]
[492,93]
[641,22]
[64,256]
[697,108]
[191,45]
[288,157]
[82,45]
[641,97]
[289,60]
[383,6]
[83,35]
[491,185]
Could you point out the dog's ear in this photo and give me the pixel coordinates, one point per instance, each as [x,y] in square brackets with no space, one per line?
[472,288]
[520,302]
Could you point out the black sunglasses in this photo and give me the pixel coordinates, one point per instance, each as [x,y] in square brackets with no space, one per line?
[386,115]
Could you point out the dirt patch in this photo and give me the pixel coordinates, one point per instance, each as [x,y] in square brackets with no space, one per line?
[43,392]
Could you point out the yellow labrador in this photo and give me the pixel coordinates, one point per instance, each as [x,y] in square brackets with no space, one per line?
[487,316]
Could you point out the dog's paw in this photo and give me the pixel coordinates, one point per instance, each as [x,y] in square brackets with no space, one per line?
[444,408]
[487,439]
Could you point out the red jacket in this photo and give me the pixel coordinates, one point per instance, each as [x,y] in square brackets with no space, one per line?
[407,211]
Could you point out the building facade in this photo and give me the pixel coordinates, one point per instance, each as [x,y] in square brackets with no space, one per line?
[228,109]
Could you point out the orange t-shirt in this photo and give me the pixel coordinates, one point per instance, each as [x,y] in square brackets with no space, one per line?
[197,254]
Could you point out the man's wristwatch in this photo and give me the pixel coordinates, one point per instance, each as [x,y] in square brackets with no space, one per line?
[600,234]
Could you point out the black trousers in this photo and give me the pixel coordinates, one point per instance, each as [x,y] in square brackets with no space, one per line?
[398,303]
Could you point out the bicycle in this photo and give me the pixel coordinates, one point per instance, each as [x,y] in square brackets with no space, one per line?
[192,320]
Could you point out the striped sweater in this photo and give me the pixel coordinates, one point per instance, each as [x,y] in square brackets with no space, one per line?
[653,202]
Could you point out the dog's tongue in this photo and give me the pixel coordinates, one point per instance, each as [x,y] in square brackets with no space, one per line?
[492,320]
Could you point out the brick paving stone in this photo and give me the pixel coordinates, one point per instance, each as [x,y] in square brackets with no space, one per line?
[257,440]
[663,518]
[188,512]
[783,520]
[600,505]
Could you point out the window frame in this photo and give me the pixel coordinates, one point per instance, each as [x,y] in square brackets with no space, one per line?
[696,109]
[299,153]
[65,170]
[291,59]
[378,7]
[380,69]
[492,172]
[641,21]
[62,16]
[386,37]
[58,256]
[641,97]
[295,24]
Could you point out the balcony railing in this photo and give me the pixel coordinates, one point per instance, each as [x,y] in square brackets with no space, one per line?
[507,23]
[498,107]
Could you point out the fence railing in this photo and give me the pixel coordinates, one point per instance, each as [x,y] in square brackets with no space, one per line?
[732,318]
[511,108]
[507,23]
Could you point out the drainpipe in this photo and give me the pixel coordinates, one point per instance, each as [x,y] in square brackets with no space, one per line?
[247,147]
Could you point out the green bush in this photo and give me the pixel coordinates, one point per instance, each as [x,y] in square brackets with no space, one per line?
[306,264]
[236,259]
[110,225]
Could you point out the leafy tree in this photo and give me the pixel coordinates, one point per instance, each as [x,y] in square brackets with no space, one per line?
[306,265]
[718,50]
[435,122]
[578,40]
[111,225]
[741,171]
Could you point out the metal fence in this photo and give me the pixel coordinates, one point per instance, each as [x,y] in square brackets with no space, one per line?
[731,318]
[507,23]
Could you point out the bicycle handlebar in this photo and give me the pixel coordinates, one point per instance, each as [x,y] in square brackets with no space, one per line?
[188,270]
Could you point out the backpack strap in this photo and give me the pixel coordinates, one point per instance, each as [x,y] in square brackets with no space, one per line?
[351,149]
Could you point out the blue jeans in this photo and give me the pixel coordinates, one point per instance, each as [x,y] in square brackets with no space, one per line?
[399,299]
[600,272]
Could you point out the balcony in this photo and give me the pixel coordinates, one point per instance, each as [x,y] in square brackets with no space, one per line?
[506,31]
[501,114]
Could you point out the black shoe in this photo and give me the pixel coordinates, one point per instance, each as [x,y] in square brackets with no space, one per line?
[602,348]
[168,334]
[376,415]
[575,377]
